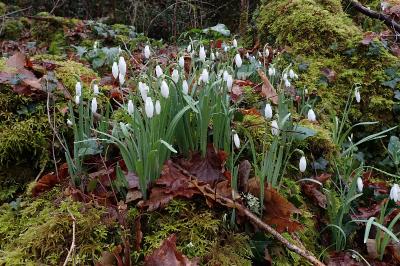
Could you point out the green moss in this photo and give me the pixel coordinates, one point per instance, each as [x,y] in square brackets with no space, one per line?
[3,8]
[12,29]
[39,231]
[57,44]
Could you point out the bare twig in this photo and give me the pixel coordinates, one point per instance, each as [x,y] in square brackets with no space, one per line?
[72,248]
[374,14]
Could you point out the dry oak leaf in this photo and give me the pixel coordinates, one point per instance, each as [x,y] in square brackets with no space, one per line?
[267,90]
[168,255]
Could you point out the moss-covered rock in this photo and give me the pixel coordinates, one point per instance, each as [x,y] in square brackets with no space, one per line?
[12,29]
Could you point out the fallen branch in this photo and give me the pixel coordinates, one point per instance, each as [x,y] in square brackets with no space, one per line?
[374,14]
[211,193]
[72,248]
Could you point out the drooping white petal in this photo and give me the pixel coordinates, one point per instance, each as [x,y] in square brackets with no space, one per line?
[202,54]
[394,192]
[302,164]
[121,79]
[95,89]
[147,52]
[185,87]
[268,111]
[144,89]
[189,48]
[181,61]
[175,76]
[149,107]
[204,76]
[130,107]
[271,71]
[77,99]
[238,60]
[164,89]
[78,89]
[274,128]
[122,66]
[234,43]
[94,105]
[311,116]
[291,74]
[159,71]
[360,185]
[357,95]
[212,56]
[158,107]
[69,123]
[287,83]
[225,75]
[114,70]
[236,140]
[229,82]
[266,52]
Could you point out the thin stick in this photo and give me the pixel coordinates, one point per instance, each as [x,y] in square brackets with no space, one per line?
[72,248]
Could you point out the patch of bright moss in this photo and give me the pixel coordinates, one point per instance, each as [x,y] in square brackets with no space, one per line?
[12,29]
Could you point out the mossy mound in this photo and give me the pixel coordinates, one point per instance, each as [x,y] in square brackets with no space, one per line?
[39,231]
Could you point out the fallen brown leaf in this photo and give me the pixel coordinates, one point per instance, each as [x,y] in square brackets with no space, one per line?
[267,90]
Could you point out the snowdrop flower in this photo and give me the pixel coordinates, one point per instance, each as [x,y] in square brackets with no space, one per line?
[143,90]
[95,45]
[291,74]
[384,6]
[189,48]
[247,55]
[212,56]
[158,107]
[94,105]
[226,48]
[271,71]
[268,111]
[287,83]
[202,54]
[259,54]
[236,140]
[164,89]
[69,123]
[274,128]
[217,54]
[130,107]
[234,43]
[147,52]
[149,107]
[238,60]
[360,184]
[302,164]
[95,89]
[181,61]
[225,75]
[121,78]
[122,66]
[311,116]
[77,99]
[185,87]
[305,91]
[229,82]
[114,70]
[159,71]
[78,89]
[394,193]
[357,95]
[285,76]
[266,52]
[175,76]
[204,76]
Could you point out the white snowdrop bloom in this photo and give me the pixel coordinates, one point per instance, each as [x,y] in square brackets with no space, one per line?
[357,95]
[287,83]
[268,111]
[292,74]
[96,45]
[274,128]
[149,107]
[78,89]
[69,123]
[360,185]
[259,54]
[189,48]
[394,193]
[229,82]
[238,60]
[121,79]
[212,56]
[305,91]
[158,107]
[164,89]
[266,52]
[94,105]
[285,76]
[175,76]
[77,99]
[302,164]
[225,75]
[226,49]
[271,71]
[311,116]
[95,89]
[122,66]
[234,43]
[182,62]
[114,70]
[185,87]
[144,89]
[204,76]
[147,52]
[130,107]
[384,5]
[159,71]
[217,54]
[247,55]
[202,54]
[236,140]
